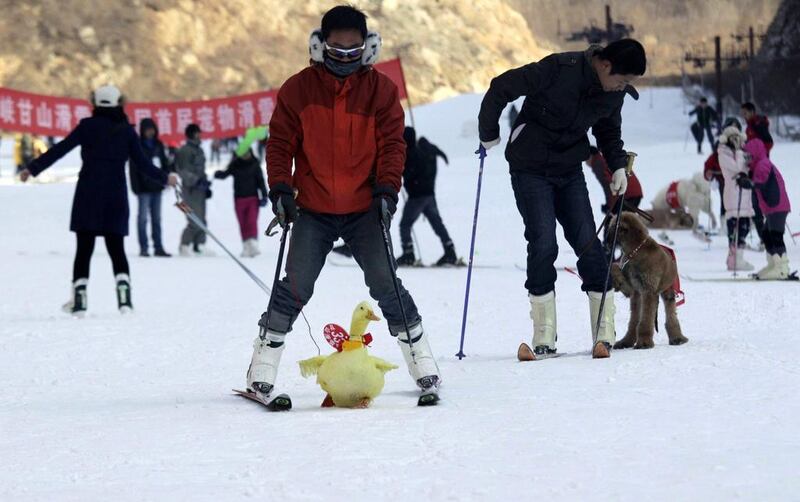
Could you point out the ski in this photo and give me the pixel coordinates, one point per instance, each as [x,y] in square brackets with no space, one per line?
[460,264]
[525,354]
[793,277]
[428,398]
[281,402]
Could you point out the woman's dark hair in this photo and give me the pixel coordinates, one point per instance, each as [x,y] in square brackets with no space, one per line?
[626,56]
[750,107]
[116,113]
[344,17]
[732,121]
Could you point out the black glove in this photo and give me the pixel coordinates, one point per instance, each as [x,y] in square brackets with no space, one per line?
[220,175]
[208,193]
[283,205]
[384,202]
[744,181]
[263,202]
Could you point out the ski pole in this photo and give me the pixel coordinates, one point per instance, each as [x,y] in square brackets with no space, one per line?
[792,235]
[482,154]
[184,207]
[628,171]
[280,219]
[387,245]
[736,233]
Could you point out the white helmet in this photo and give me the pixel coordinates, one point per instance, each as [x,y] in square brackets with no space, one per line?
[107,96]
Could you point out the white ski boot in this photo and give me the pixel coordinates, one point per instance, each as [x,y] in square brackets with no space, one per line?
[779,269]
[254,251]
[263,368]
[736,261]
[543,315]
[421,364]
[124,303]
[78,303]
[767,270]
[603,338]
[202,250]
[185,250]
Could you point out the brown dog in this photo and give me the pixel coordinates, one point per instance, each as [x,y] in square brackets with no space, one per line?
[644,272]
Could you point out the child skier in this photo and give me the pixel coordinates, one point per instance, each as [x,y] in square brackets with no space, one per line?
[339,123]
[774,202]
[249,192]
[738,200]
[566,94]
[100,206]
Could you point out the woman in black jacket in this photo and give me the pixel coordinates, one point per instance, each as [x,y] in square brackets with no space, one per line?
[100,205]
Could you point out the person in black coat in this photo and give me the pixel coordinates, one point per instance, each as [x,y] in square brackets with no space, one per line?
[249,193]
[706,116]
[147,190]
[566,94]
[100,205]
[419,180]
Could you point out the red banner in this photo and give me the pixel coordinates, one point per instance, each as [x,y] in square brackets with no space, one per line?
[217,118]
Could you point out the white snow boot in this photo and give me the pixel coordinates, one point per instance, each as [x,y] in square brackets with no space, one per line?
[124,303]
[254,251]
[767,270]
[263,368]
[185,250]
[543,314]
[736,261]
[202,250]
[78,303]
[602,339]
[778,270]
[422,366]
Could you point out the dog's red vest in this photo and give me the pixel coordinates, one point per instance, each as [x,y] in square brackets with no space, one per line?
[680,298]
[672,196]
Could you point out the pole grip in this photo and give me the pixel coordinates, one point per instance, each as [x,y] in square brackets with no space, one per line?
[629,167]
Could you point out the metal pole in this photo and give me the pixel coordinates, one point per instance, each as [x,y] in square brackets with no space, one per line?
[482,152]
[718,71]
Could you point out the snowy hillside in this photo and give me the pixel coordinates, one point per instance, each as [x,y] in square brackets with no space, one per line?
[140,408]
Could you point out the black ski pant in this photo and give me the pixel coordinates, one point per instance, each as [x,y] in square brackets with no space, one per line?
[85,249]
[312,238]
[773,233]
[744,229]
[542,200]
[758,220]
[422,205]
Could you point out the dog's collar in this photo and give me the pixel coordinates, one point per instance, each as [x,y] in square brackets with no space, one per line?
[626,259]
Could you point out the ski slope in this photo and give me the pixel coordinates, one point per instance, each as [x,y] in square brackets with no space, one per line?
[140,408]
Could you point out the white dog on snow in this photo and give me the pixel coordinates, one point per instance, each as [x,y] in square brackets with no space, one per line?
[692,195]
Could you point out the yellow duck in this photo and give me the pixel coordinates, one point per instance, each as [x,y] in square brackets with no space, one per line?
[351,377]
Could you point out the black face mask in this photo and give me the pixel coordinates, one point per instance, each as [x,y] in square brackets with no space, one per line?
[341,69]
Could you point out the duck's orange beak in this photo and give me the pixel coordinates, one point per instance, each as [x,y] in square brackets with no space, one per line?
[372,317]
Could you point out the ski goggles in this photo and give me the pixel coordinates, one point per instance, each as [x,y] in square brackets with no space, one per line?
[336,52]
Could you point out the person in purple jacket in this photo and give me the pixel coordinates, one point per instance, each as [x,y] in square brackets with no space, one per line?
[773,200]
[100,205]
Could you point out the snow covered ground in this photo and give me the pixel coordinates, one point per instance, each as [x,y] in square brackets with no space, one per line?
[140,408]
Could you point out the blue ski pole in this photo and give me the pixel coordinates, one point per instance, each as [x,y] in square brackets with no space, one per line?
[482,153]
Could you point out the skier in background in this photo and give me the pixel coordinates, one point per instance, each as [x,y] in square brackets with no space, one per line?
[566,94]
[419,180]
[249,193]
[100,206]
[190,164]
[706,115]
[148,191]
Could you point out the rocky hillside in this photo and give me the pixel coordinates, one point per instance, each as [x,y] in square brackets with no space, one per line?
[666,27]
[184,49]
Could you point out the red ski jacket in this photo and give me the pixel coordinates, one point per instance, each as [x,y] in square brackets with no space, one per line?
[344,136]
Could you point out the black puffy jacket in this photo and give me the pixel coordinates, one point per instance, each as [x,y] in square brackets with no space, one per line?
[153,150]
[248,178]
[563,100]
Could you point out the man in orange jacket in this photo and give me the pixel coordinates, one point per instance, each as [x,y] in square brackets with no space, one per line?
[341,123]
